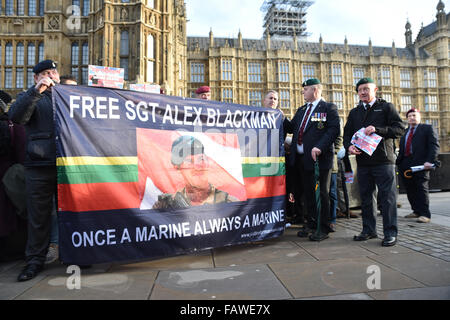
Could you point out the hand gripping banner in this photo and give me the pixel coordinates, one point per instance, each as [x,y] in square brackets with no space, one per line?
[144,176]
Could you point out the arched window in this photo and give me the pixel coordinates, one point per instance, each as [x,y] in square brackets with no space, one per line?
[150,47]
[150,58]
[31,56]
[8,54]
[20,7]
[41,7]
[31,7]
[86,7]
[124,43]
[9,7]
[124,52]
[85,54]
[20,54]
[41,51]
[75,54]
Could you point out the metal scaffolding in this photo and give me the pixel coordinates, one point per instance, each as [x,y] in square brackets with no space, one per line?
[285,18]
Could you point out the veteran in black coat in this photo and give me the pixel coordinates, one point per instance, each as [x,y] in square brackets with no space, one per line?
[34,110]
[378,170]
[418,147]
[315,127]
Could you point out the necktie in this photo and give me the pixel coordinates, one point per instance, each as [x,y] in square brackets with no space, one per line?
[409,142]
[302,128]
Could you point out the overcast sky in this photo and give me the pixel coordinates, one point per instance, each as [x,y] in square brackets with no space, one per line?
[383,21]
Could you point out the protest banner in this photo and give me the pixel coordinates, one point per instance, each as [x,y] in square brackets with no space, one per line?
[143,176]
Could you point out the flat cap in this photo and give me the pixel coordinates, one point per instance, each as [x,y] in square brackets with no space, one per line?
[185,146]
[44,65]
[203,89]
[5,97]
[310,82]
[364,81]
[412,110]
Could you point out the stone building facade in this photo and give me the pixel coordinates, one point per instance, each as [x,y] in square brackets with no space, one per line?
[148,39]
[243,70]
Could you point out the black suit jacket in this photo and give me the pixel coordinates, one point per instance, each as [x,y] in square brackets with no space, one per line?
[425,147]
[317,134]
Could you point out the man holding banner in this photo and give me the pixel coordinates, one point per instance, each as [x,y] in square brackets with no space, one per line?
[34,109]
[315,128]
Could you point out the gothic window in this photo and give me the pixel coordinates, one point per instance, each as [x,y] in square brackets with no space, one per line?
[31,7]
[254,72]
[358,74]
[41,51]
[197,72]
[8,54]
[285,99]
[9,9]
[255,98]
[20,7]
[124,52]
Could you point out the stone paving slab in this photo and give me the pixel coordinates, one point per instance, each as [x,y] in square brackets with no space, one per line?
[103,286]
[260,253]
[433,293]
[9,287]
[335,277]
[254,282]
[191,261]
[425,269]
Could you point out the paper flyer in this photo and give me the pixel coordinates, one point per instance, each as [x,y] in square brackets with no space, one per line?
[366,143]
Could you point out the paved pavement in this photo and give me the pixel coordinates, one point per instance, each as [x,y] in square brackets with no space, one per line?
[286,268]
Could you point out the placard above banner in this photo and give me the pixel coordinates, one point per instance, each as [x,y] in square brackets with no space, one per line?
[143,176]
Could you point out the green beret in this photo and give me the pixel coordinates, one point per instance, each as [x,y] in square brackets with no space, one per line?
[310,82]
[185,146]
[364,81]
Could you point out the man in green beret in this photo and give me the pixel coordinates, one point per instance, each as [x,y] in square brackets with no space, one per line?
[188,156]
[315,128]
[378,170]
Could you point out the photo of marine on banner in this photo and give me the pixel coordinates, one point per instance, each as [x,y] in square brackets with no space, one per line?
[143,176]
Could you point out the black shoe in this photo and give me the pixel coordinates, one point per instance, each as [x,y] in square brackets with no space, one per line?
[365,236]
[318,236]
[29,272]
[389,241]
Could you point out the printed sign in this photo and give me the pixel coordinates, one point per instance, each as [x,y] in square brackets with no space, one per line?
[145,175]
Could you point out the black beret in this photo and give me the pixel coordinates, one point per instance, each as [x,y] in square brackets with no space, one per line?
[310,82]
[5,97]
[185,146]
[364,81]
[44,65]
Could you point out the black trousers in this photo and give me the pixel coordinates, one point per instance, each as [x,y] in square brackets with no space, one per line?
[383,178]
[41,191]
[417,191]
[305,182]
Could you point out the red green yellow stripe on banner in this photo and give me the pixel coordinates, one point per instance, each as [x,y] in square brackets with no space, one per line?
[264,176]
[97,183]
[112,183]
